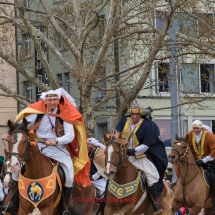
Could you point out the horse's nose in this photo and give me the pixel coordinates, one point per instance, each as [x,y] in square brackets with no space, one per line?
[108,173]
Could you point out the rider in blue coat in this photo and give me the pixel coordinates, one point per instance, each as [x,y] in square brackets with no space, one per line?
[145,141]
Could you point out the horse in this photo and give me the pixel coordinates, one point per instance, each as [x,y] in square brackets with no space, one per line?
[37,167]
[190,190]
[120,170]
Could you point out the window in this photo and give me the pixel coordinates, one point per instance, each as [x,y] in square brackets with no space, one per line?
[66,86]
[186,24]
[27,89]
[165,131]
[205,81]
[58,1]
[160,18]
[60,79]
[60,44]
[25,50]
[190,78]
[97,34]
[163,69]
[205,25]
[63,80]
[102,130]
[26,3]
[101,93]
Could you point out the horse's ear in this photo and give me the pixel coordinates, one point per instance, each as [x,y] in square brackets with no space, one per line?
[24,123]
[10,124]
[186,138]
[106,138]
[176,137]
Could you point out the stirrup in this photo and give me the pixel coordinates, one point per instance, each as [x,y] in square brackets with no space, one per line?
[66,212]
[156,208]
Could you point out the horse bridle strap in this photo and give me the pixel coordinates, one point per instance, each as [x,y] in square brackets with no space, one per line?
[120,154]
[24,157]
[182,155]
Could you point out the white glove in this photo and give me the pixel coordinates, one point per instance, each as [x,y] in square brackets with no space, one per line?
[207,158]
[95,176]
[141,149]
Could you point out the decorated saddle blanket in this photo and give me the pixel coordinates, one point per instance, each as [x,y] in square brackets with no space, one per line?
[36,190]
[124,190]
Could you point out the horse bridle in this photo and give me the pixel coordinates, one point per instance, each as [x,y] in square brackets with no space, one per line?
[111,142]
[27,150]
[183,154]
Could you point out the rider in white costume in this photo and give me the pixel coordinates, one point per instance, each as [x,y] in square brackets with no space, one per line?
[46,131]
[97,158]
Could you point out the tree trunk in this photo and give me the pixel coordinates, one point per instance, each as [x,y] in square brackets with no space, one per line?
[86,108]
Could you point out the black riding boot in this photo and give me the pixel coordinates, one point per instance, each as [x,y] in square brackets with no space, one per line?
[65,200]
[14,207]
[213,197]
[153,193]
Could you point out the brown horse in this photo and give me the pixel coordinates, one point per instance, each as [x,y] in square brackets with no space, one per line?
[191,189]
[121,171]
[38,166]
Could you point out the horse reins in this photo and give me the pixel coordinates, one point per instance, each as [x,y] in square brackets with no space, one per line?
[120,155]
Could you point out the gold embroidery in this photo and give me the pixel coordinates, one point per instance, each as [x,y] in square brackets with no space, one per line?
[126,131]
[199,147]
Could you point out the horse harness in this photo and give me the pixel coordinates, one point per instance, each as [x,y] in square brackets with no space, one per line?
[27,150]
[182,155]
[121,155]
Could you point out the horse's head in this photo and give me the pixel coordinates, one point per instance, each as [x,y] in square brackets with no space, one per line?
[179,150]
[114,154]
[18,144]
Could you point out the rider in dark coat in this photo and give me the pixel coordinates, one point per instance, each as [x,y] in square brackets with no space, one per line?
[147,134]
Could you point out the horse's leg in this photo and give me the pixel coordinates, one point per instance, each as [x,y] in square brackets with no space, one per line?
[176,205]
[109,210]
[195,210]
[126,209]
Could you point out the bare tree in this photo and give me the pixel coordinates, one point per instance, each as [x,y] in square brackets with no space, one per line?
[106,46]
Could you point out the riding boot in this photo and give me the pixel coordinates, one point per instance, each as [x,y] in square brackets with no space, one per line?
[65,200]
[153,193]
[14,207]
[213,197]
